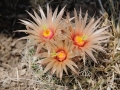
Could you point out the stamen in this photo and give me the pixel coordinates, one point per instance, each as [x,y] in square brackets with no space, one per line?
[80,40]
[44,27]
[47,33]
[60,55]
[54,54]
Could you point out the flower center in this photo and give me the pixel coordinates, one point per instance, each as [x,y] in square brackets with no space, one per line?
[47,33]
[60,55]
[80,40]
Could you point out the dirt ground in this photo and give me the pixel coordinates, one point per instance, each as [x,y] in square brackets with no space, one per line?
[16,72]
[11,66]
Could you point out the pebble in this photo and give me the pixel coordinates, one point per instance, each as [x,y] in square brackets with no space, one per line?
[9,39]
[2,75]
[22,65]
[19,44]
[22,72]
[7,66]
[13,84]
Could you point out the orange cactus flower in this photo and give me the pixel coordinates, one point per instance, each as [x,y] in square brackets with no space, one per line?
[59,59]
[43,30]
[86,37]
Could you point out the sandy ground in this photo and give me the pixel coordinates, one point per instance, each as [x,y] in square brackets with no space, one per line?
[16,72]
[11,66]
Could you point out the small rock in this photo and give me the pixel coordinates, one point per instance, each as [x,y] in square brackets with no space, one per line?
[19,44]
[13,43]
[1,69]
[31,83]
[2,75]
[6,65]
[22,84]
[17,58]
[8,48]
[7,55]
[22,72]
[22,65]
[13,84]
[16,52]
[13,73]
[3,38]
[9,39]
[23,88]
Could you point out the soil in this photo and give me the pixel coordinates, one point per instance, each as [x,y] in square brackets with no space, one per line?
[10,62]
